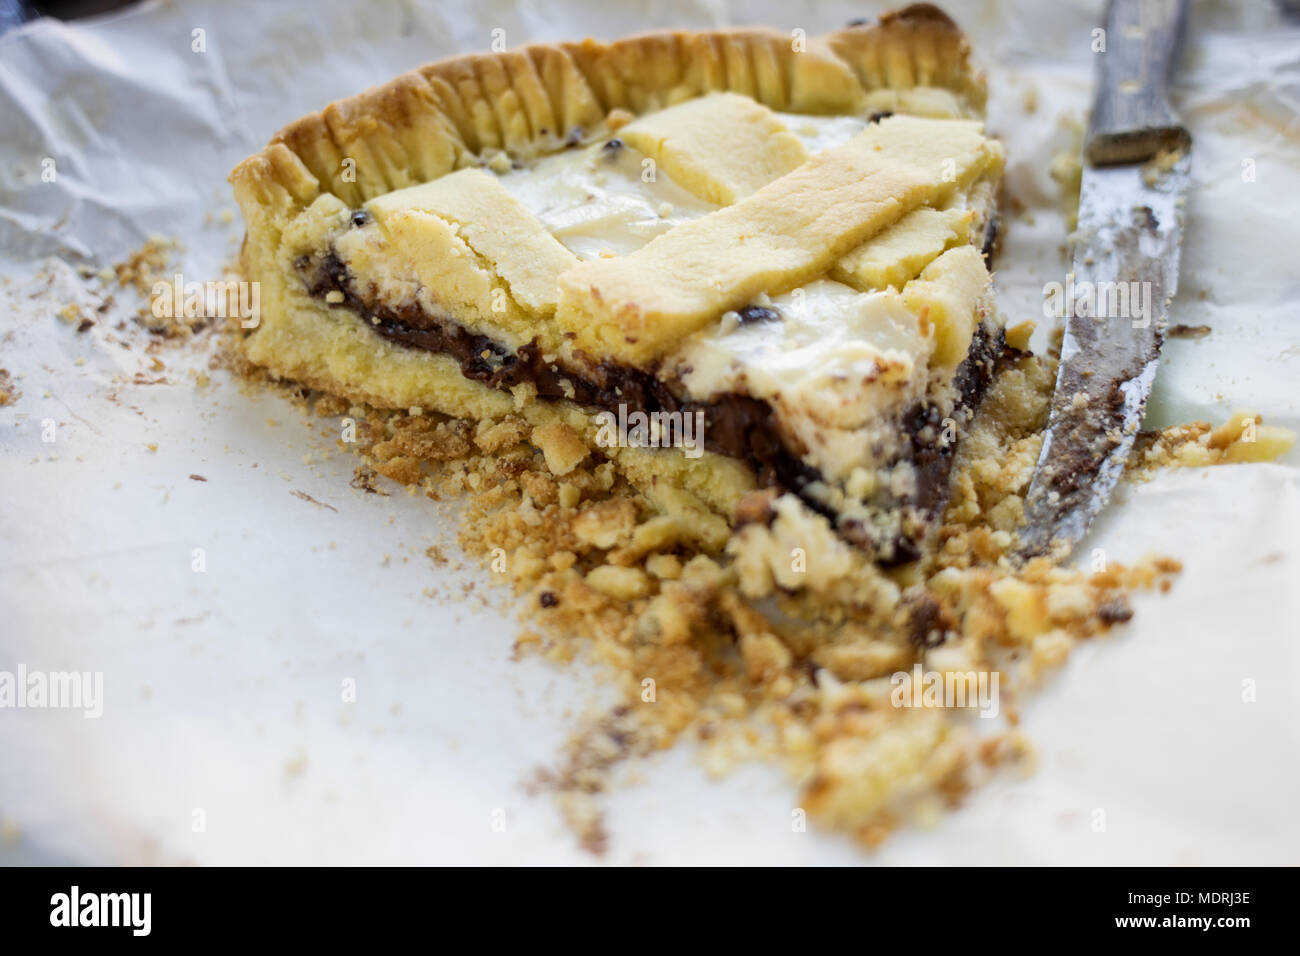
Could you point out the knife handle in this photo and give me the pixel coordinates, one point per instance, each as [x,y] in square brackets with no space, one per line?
[1131,119]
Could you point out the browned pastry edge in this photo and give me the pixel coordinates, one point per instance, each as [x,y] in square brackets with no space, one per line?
[448,114]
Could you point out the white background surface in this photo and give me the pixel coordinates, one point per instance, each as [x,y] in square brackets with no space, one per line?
[222,690]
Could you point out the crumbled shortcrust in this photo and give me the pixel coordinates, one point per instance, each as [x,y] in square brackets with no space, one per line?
[9,392]
[145,266]
[141,270]
[784,646]
[1242,438]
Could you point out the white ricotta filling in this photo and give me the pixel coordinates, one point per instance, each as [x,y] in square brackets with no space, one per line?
[602,201]
[838,367]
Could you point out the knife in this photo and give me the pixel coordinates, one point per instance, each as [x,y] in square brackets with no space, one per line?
[1123,275]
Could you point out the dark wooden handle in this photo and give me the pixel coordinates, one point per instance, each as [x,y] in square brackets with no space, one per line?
[1131,119]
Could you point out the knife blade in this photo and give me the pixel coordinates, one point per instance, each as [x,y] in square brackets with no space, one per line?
[1124,274]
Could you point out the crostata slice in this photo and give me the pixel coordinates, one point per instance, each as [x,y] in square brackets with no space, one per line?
[724,261]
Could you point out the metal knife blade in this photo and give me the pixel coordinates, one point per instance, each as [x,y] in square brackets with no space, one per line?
[1124,273]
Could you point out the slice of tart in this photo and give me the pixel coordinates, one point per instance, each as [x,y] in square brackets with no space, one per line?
[724,261]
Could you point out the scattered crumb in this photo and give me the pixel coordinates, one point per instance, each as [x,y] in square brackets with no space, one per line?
[1163,162]
[1030,99]
[9,392]
[310,500]
[145,266]
[295,766]
[1066,168]
[1242,438]
[727,648]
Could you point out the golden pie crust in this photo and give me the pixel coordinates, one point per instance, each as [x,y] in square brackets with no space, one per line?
[450,114]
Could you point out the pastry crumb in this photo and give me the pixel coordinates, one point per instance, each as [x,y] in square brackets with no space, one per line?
[1242,438]
[746,653]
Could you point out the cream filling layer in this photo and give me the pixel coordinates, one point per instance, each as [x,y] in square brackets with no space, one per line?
[603,200]
[839,368]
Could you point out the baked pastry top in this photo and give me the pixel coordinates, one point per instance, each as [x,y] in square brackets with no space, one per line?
[771,248]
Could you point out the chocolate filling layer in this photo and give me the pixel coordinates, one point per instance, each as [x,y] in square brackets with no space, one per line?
[924,424]
[738,426]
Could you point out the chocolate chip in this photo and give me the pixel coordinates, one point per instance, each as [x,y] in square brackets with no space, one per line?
[860,22]
[361,217]
[879,115]
[1115,611]
[575,137]
[928,622]
[547,599]
[612,147]
[757,313]
[992,239]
